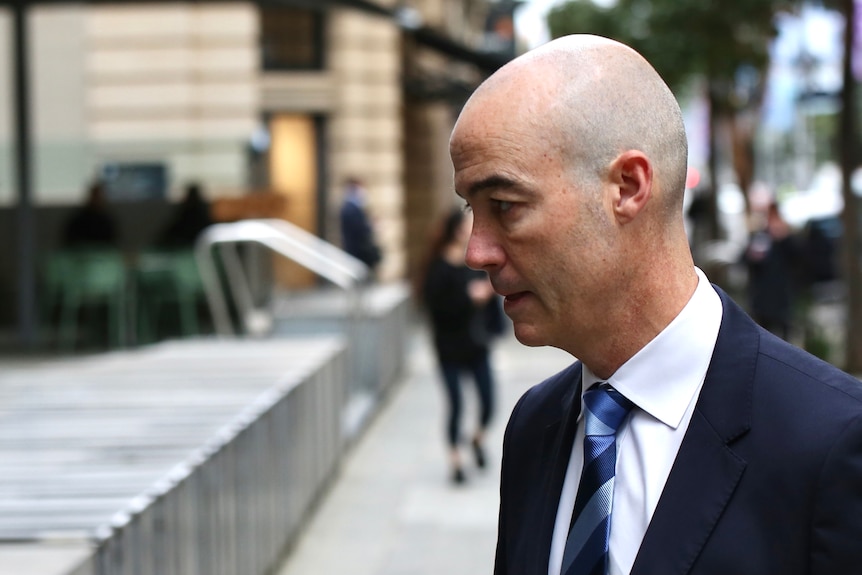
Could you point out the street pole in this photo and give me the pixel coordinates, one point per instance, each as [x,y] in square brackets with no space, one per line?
[850,222]
[26,245]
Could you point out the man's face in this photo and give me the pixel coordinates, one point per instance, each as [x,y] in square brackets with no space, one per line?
[533,230]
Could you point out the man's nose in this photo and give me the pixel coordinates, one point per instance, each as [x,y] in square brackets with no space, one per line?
[483,251]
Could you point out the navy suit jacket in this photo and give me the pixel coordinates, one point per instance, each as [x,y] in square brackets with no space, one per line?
[357,235]
[767,481]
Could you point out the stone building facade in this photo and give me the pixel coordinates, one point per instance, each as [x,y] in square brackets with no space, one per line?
[286,98]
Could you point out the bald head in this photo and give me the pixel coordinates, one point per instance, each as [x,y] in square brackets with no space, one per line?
[594,98]
[573,158]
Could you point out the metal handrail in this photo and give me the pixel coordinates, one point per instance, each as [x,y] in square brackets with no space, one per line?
[287,240]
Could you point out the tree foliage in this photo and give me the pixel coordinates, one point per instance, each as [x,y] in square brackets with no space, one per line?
[725,42]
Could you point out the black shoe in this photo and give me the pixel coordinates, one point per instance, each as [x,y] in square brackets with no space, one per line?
[479,454]
[458,476]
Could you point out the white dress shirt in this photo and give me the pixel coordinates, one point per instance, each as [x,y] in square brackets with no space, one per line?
[663,380]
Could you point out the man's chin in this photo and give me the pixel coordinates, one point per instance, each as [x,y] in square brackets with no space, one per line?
[529,335]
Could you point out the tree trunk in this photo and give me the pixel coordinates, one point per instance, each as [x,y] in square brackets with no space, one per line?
[850,221]
[712,159]
[742,127]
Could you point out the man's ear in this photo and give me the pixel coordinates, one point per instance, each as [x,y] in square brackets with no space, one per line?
[632,176]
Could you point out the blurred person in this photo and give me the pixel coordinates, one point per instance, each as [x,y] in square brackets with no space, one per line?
[822,238]
[91,224]
[357,233]
[461,305]
[189,219]
[701,214]
[774,258]
[709,446]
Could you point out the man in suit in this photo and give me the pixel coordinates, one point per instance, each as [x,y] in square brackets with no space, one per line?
[741,455]
[357,233]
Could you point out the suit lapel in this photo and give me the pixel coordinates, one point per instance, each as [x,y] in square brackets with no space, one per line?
[557,448]
[706,471]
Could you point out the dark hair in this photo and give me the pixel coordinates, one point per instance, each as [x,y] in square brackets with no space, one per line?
[193,192]
[352,182]
[450,226]
[96,194]
[442,234]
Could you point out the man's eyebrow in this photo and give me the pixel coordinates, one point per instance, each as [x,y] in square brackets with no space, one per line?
[491,182]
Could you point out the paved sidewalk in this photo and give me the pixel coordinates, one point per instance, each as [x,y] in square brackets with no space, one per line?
[392,510]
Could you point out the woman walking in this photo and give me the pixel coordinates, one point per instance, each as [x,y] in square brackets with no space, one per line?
[464,314]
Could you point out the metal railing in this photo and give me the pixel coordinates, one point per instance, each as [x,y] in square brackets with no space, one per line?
[236,502]
[284,238]
[369,368]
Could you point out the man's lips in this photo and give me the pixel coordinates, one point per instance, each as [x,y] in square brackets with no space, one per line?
[514,297]
[511,295]
[512,301]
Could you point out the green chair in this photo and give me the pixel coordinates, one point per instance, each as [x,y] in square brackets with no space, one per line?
[56,271]
[82,278]
[167,279]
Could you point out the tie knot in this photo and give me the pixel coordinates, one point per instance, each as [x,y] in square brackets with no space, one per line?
[606,408]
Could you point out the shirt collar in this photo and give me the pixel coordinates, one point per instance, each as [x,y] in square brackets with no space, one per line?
[664,377]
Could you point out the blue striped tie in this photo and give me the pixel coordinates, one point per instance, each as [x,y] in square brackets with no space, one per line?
[587,545]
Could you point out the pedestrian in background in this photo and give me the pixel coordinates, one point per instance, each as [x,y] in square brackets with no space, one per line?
[357,232]
[461,305]
[92,224]
[190,217]
[774,258]
[685,439]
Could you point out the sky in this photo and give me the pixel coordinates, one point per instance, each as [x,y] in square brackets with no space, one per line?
[817,32]
[530,22]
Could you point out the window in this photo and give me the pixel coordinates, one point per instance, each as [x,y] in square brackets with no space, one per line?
[134,182]
[291,38]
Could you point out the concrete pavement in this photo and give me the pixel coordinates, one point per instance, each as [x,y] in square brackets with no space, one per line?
[393,510]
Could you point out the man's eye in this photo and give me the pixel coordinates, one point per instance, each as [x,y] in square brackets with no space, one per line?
[502,205]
